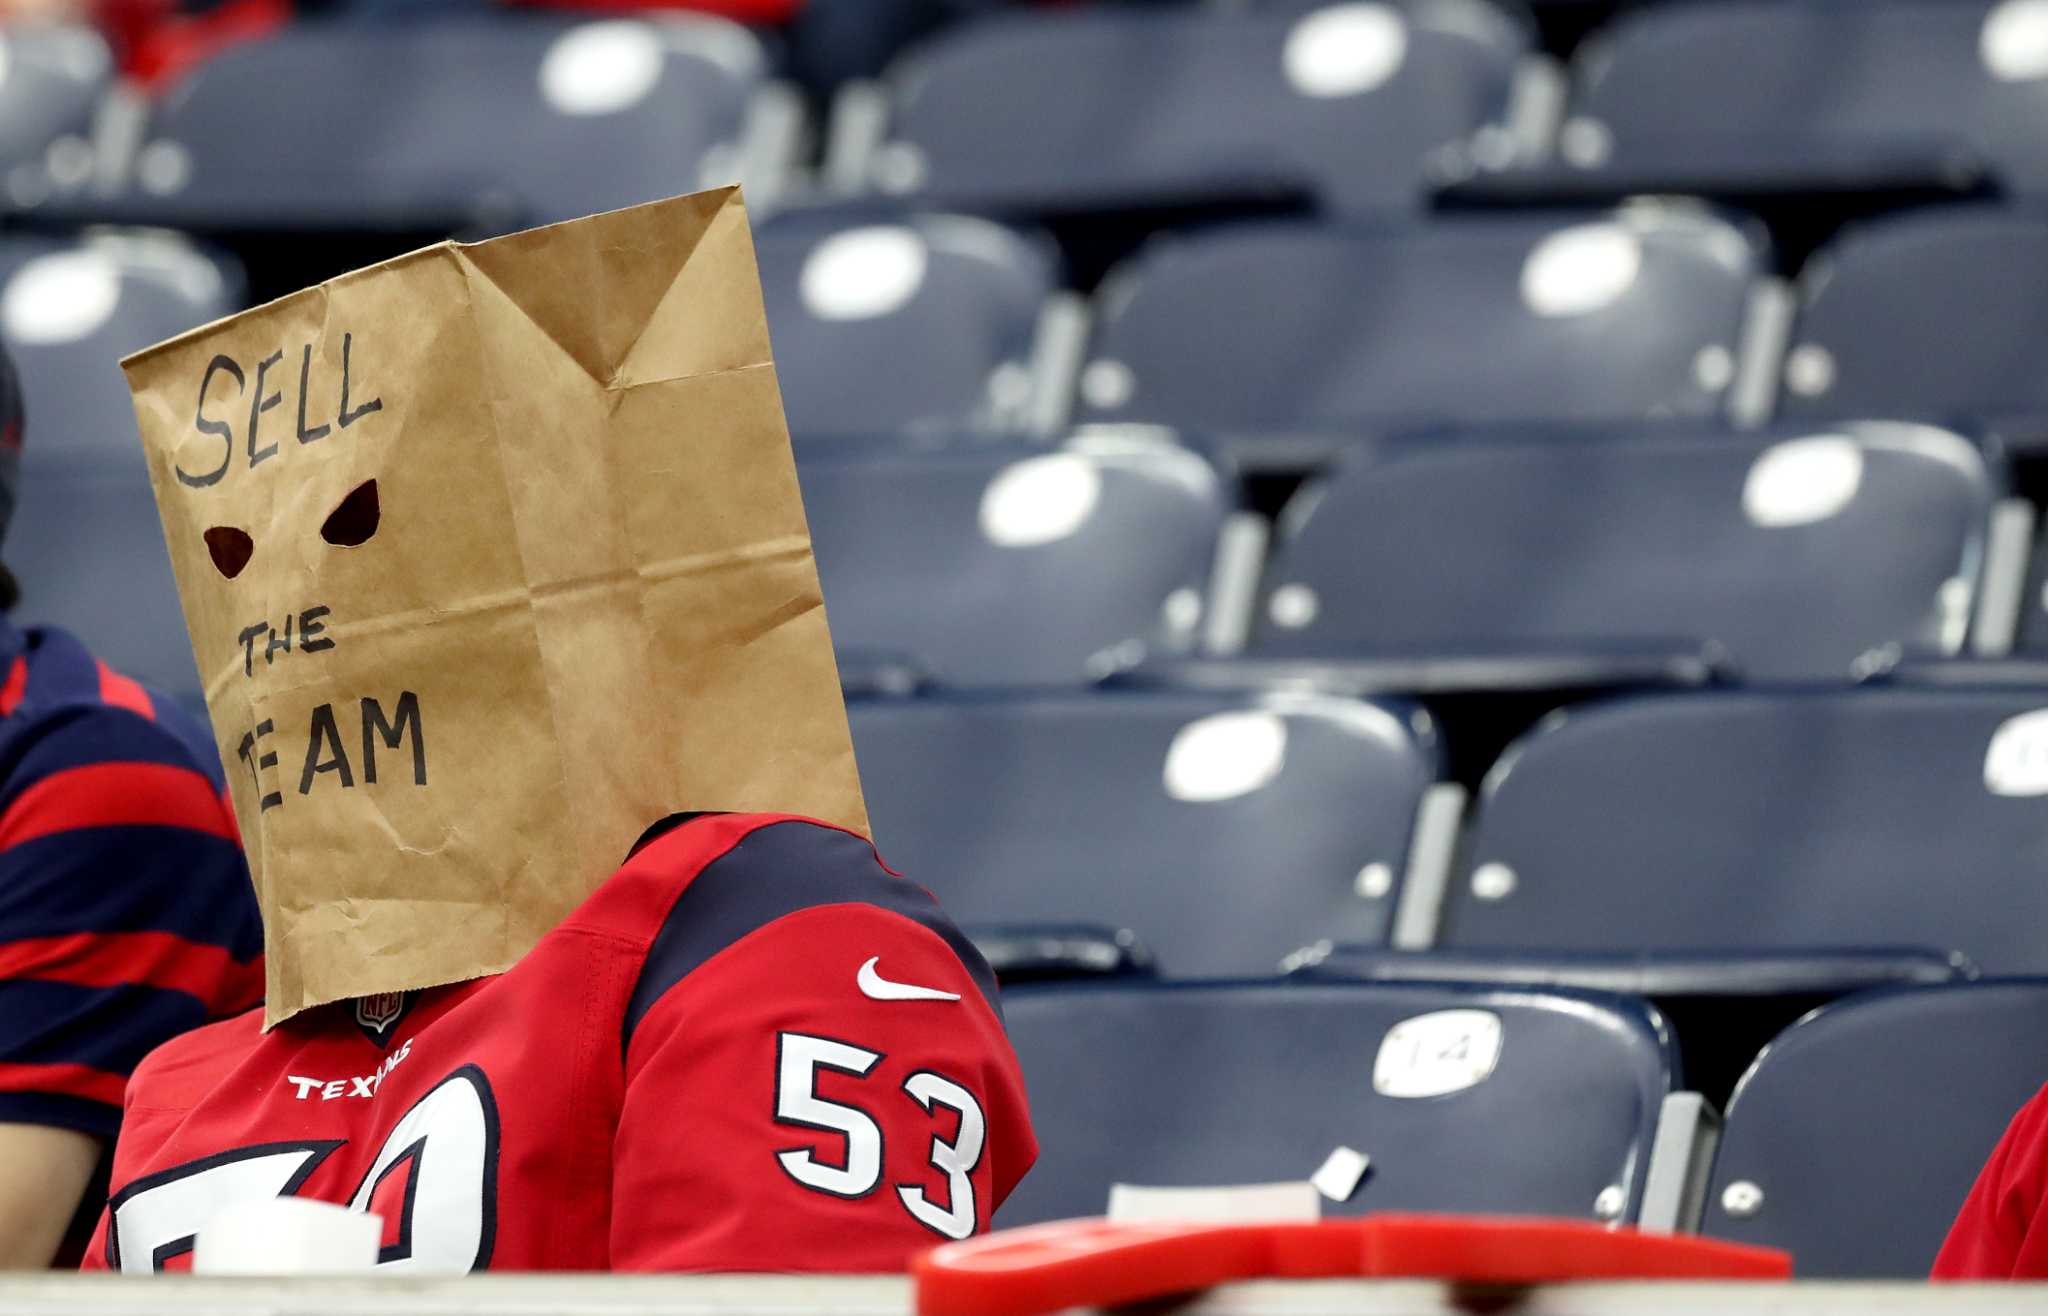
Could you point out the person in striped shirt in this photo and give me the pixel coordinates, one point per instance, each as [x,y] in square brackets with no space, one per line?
[126,914]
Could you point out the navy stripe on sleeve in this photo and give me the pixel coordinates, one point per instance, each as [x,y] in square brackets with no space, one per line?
[56,1110]
[130,879]
[61,670]
[80,736]
[104,1028]
[771,873]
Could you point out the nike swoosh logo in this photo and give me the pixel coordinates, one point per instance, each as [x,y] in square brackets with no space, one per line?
[877,988]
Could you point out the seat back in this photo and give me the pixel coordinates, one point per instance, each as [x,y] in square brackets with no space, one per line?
[87,546]
[1011,566]
[1223,831]
[1800,555]
[467,119]
[1465,1099]
[52,79]
[1616,316]
[1940,313]
[86,542]
[70,309]
[924,323]
[1836,95]
[1359,107]
[1855,1138]
[1769,820]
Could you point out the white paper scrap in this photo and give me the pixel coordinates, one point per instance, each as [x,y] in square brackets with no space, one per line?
[1339,1177]
[1296,1201]
[288,1236]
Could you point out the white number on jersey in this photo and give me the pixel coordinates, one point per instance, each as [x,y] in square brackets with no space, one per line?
[159,1217]
[448,1218]
[450,1213]
[799,1057]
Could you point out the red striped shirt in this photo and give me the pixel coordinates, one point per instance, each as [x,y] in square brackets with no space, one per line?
[115,795]
[144,959]
[125,906]
[75,1080]
[122,692]
[15,686]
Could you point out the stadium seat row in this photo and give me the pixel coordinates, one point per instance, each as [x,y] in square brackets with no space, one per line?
[1283,341]
[1820,555]
[1364,106]
[1068,562]
[1811,554]
[1851,1143]
[1228,831]
[1653,310]
[1370,107]
[464,121]
[950,326]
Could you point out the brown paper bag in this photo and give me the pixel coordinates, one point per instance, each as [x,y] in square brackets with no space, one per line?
[492,555]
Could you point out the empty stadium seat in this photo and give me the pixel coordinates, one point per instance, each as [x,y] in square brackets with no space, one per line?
[1470,1100]
[1064,952]
[1010,566]
[88,548]
[464,120]
[70,309]
[1223,831]
[86,542]
[1769,820]
[1360,106]
[1755,95]
[51,82]
[1940,313]
[1723,1007]
[1807,556]
[922,323]
[1278,327]
[1856,1137]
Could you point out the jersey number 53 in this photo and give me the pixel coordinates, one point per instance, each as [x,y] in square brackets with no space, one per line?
[799,1057]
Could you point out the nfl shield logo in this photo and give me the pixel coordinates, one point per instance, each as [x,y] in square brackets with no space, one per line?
[380,1011]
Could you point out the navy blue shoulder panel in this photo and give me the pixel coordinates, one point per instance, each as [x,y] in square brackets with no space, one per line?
[775,871]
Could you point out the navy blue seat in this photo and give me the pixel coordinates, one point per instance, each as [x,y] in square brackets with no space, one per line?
[1804,556]
[1859,1132]
[1723,1006]
[70,309]
[1468,1100]
[1064,952]
[1224,832]
[1010,566]
[2025,671]
[451,121]
[1777,820]
[86,542]
[1938,313]
[1270,327]
[52,80]
[88,548]
[1755,95]
[921,323]
[1361,108]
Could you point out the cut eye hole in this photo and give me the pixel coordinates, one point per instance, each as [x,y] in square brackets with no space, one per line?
[230,549]
[355,520]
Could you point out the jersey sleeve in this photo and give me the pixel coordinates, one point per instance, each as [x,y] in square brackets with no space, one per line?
[126,915]
[2002,1231]
[829,1090]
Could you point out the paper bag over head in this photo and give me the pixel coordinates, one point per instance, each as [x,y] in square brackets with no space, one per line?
[493,556]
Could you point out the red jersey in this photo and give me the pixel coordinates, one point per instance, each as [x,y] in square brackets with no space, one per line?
[2002,1230]
[753,1048]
